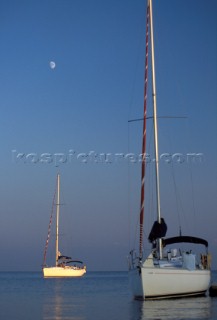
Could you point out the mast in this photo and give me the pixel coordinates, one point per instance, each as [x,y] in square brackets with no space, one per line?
[57,222]
[155,125]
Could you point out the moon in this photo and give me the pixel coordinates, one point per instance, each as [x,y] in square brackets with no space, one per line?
[52,64]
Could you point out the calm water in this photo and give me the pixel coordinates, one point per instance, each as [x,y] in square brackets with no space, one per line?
[99,295]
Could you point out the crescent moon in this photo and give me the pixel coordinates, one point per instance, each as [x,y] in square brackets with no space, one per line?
[52,64]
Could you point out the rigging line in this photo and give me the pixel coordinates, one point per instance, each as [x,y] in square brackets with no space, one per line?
[142,203]
[132,233]
[176,193]
[128,190]
[64,228]
[140,42]
[181,210]
[150,202]
[190,168]
[179,206]
[192,191]
[49,226]
[150,176]
[135,233]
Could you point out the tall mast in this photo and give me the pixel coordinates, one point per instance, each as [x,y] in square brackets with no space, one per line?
[155,124]
[57,213]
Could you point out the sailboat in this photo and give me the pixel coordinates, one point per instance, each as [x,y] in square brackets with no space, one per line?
[64,266]
[164,273]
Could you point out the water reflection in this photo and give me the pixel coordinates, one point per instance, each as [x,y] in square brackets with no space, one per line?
[62,304]
[174,309]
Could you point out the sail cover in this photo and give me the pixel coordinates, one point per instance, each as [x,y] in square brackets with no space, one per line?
[187,239]
[158,230]
[75,261]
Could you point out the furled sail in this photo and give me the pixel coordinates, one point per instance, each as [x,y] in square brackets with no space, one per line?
[158,230]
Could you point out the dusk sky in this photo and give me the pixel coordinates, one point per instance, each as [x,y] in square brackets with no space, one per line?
[73,119]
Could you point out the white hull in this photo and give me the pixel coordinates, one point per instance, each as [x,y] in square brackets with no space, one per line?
[61,272]
[155,282]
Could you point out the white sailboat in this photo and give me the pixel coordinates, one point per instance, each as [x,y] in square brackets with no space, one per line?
[164,273]
[64,266]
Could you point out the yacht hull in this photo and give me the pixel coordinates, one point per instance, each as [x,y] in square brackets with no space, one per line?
[157,283]
[61,272]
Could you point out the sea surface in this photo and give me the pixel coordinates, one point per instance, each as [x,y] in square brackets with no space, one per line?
[96,296]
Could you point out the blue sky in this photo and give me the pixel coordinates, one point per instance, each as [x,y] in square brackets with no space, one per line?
[84,105]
